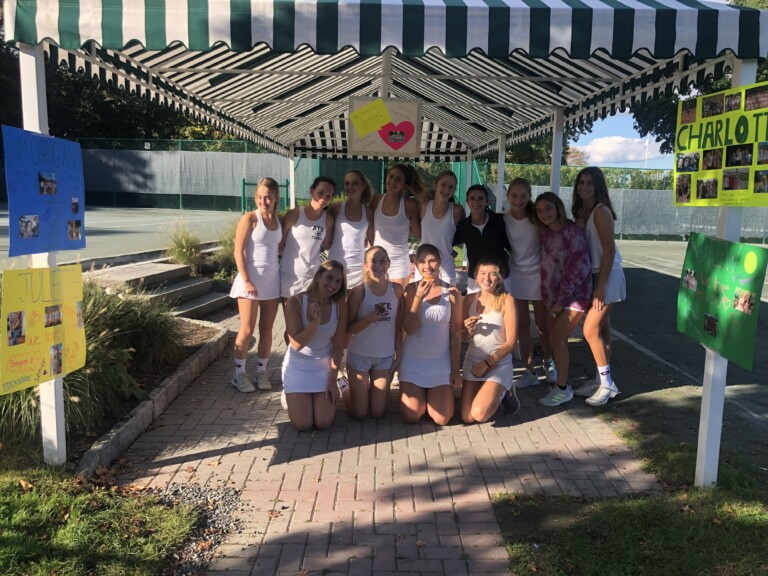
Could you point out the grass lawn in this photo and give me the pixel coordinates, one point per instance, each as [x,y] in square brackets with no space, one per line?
[52,522]
[685,531]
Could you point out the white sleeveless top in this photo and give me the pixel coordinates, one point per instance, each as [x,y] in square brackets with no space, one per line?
[432,338]
[378,339]
[349,245]
[595,248]
[439,232]
[391,233]
[490,334]
[523,235]
[320,345]
[301,254]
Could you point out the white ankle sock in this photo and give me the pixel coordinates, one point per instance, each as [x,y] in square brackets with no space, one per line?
[261,365]
[604,374]
[239,366]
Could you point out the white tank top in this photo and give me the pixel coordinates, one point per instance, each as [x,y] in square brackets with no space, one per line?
[595,248]
[439,232]
[432,338]
[391,232]
[301,254]
[262,244]
[378,339]
[523,236]
[349,239]
[490,334]
[321,344]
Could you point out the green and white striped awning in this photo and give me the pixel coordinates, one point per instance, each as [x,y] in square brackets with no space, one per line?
[281,71]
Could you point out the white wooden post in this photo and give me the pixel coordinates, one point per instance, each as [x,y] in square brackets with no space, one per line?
[715,366]
[500,188]
[292,176]
[34,106]
[558,120]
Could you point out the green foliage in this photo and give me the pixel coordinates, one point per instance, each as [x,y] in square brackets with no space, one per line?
[54,524]
[123,336]
[632,178]
[223,259]
[185,247]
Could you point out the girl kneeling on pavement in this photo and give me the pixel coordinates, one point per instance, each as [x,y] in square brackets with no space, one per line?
[432,324]
[375,322]
[490,326]
[315,322]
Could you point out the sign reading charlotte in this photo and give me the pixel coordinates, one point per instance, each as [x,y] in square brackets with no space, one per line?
[719,296]
[42,309]
[45,193]
[721,148]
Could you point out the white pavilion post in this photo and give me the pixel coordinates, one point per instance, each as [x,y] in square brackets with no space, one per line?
[558,120]
[500,187]
[291,177]
[34,106]
[715,366]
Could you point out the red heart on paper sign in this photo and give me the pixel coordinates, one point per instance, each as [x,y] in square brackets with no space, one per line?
[397,136]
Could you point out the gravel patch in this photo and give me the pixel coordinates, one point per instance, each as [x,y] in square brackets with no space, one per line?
[216,506]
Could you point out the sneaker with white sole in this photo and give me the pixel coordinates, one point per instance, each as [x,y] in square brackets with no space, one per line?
[603,394]
[557,396]
[527,380]
[283,401]
[242,383]
[587,389]
[550,372]
[342,383]
[510,402]
[262,381]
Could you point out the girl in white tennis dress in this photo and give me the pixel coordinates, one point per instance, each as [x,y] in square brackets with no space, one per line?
[490,326]
[353,226]
[257,285]
[432,324]
[316,322]
[439,218]
[375,322]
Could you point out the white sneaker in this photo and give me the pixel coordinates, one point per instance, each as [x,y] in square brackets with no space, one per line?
[242,383]
[342,383]
[587,389]
[603,394]
[283,401]
[557,396]
[262,381]
[550,372]
[526,380]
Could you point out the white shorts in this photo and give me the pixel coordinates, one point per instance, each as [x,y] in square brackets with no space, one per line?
[303,374]
[524,286]
[290,284]
[425,373]
[502,374]
[615,288]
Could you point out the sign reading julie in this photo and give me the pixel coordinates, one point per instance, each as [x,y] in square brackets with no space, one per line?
[44,337]
[719,296]
[384,127]
[44,176]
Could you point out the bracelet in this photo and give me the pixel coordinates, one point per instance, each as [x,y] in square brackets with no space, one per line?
[419,297]
[490,364]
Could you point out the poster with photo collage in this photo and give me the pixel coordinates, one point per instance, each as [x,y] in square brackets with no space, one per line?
[721,149]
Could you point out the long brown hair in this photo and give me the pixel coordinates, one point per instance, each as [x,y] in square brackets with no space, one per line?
[271,185]
[499,294]
[413,182]
[530,211]
[367,193]
[553,198]
[601,191]
[324,267]
[440,176]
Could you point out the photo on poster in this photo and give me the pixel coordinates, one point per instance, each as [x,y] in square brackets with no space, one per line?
[75,205]
[706,188]
[710,324]
[713,105]
[736,179]
[80,314]
[29,226]
[738,155]
[762,152]
[689,281]
[733,102]
[56,358]
[743,301]
[712,159]
[46,182]
[53,315]
[688,113]
[761,182]
[16,328]
[683,188]
[688,162]
[73,229]
[756,98]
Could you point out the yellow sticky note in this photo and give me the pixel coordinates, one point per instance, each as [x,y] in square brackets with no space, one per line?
[370,118]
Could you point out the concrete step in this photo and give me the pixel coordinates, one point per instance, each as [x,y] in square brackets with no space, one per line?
[203,305]
[180,291]
[139,275]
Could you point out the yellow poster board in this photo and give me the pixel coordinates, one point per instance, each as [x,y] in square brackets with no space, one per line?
[370,117]
[43,313]
[721,148]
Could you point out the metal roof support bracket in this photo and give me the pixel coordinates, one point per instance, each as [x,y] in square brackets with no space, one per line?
[558,121]
[292,175]
[500,187]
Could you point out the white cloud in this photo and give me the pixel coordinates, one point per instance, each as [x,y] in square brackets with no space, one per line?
[618,149]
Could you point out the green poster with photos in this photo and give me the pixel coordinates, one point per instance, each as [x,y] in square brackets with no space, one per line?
[719,296]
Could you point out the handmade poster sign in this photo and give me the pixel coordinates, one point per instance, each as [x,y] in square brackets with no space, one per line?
[384,127]
[44,177]
[44,336]
[721,148]
[719,296]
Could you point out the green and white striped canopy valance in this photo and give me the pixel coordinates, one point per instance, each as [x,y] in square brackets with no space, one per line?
[497,28]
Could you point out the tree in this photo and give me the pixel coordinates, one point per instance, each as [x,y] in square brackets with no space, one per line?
[577,156]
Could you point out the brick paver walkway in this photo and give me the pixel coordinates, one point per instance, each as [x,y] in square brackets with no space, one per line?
[372,497]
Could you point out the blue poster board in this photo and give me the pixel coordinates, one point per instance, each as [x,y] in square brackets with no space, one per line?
[46,198]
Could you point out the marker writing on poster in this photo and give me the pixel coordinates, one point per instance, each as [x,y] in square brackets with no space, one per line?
[723,132]
[48,152]
[36,289]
